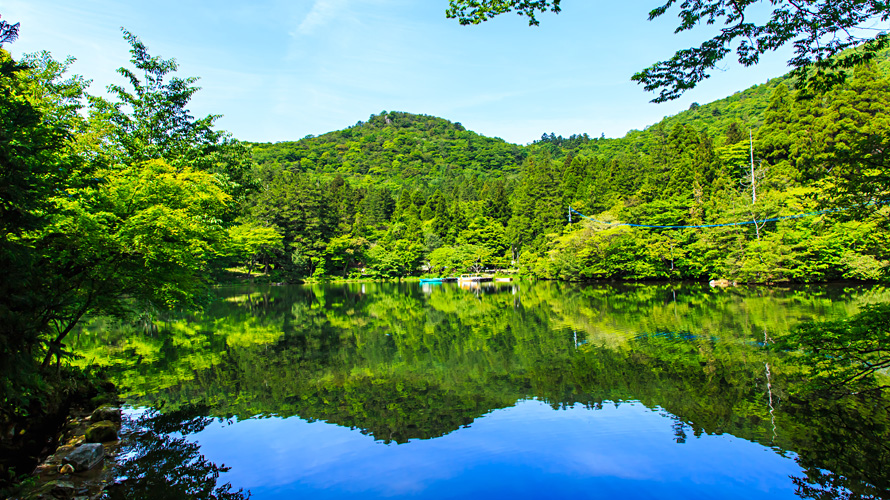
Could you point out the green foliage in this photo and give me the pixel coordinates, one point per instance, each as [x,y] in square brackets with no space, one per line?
[121,212]
[846,356]
[465,258]
[38,113]
[102,248]
[302,207]
[694,168]
[251,243]
[395,148]
[845,135]
[475,12]
[151,120]
[691,169]
[398,258]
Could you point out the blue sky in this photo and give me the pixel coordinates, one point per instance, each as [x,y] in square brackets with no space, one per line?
[279,70]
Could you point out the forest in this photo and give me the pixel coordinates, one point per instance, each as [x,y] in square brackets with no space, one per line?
[353,203]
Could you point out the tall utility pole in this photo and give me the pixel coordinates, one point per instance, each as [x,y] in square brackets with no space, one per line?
[753,187]
[753,190]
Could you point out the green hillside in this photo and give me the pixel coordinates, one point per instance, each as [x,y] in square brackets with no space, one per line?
[395,148]
[744,109]
[405,194]
[398,148]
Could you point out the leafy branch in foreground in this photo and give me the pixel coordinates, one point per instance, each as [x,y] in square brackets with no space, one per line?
[8,32]
[475,12]
[821,31]
[846,356]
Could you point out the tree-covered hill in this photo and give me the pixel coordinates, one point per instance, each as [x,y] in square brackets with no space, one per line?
[399,148]
[405,194]
[395,148]
[741,110]
[725,121]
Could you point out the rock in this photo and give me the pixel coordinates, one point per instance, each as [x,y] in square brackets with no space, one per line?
[66,469]
[106,412]
[102,432]
[46,469]
[85,456]
[62,489]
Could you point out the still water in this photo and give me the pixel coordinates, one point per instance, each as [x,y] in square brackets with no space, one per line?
[527,390]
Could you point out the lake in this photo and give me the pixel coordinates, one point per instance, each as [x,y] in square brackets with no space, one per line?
[523,389]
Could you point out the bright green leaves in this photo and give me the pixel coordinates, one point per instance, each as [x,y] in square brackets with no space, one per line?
[395,259]
[147,230]
[460,259]
[395,147]
[151,119]
[848,138]
[302,209]
[122,212]
[344,252]
[251,242]
[96,228]
[38,158]
[536,205]
[36,153]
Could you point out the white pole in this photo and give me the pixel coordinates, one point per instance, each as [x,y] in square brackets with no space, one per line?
[753,189]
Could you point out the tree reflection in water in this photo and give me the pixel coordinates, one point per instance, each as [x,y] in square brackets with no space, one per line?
[846,453]
[156,465]
[400,363]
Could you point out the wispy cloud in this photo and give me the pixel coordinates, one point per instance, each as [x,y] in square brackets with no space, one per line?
[322,12]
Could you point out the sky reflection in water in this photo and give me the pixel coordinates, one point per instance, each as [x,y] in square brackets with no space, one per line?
[528,451]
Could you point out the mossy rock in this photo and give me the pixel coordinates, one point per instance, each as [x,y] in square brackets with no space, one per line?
[106,412]
[101,432]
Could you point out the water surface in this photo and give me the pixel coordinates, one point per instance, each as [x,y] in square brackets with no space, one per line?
[523,389]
